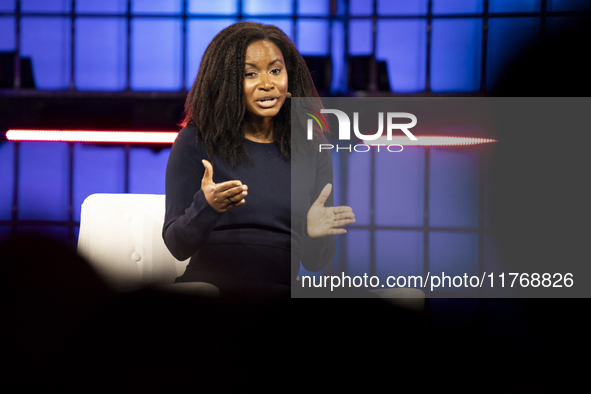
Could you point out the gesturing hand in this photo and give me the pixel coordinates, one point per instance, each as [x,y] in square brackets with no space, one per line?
[324,221]
[222,196]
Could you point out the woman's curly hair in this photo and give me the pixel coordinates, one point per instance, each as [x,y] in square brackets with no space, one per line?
[215,104]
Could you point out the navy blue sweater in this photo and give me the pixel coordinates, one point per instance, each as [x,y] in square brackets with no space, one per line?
[263,240]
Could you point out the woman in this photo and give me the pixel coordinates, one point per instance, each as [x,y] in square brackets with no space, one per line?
[229,203]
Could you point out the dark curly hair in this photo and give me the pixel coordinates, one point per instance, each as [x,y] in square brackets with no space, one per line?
[215,104]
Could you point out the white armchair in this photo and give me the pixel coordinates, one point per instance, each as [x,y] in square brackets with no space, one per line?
[121,237]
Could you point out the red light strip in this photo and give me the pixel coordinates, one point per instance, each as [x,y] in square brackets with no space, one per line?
[429,141]
[142,137]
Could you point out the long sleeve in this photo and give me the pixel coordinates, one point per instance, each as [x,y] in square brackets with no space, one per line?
[189,219]
[315,253]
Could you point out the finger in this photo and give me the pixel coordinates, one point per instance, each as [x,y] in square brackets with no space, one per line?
[324,194]
[342,209]
[238,204]
[234,198]
[342,223]
[340,213]
[226,199]
[345,216]
[208,175]
[336,231]
[223,187]
[233,192]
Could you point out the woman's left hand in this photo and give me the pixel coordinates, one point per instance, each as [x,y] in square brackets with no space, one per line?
[323,221]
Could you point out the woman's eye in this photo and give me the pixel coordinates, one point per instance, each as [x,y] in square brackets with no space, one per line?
[251,74]
[276,71]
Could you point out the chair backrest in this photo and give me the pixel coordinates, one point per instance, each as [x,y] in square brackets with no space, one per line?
[121,237]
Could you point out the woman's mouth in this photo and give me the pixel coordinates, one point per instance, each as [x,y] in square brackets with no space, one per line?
[267,102]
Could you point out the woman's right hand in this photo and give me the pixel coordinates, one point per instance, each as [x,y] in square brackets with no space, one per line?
[222,196]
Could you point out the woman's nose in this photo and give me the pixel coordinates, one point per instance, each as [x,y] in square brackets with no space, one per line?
[266,83]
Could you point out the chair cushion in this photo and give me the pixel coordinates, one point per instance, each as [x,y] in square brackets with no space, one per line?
[121,237]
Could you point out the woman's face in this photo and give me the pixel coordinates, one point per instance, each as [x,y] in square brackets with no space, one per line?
[265,79]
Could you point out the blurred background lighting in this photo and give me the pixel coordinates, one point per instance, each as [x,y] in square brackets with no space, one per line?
[142,137]
[430,141]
